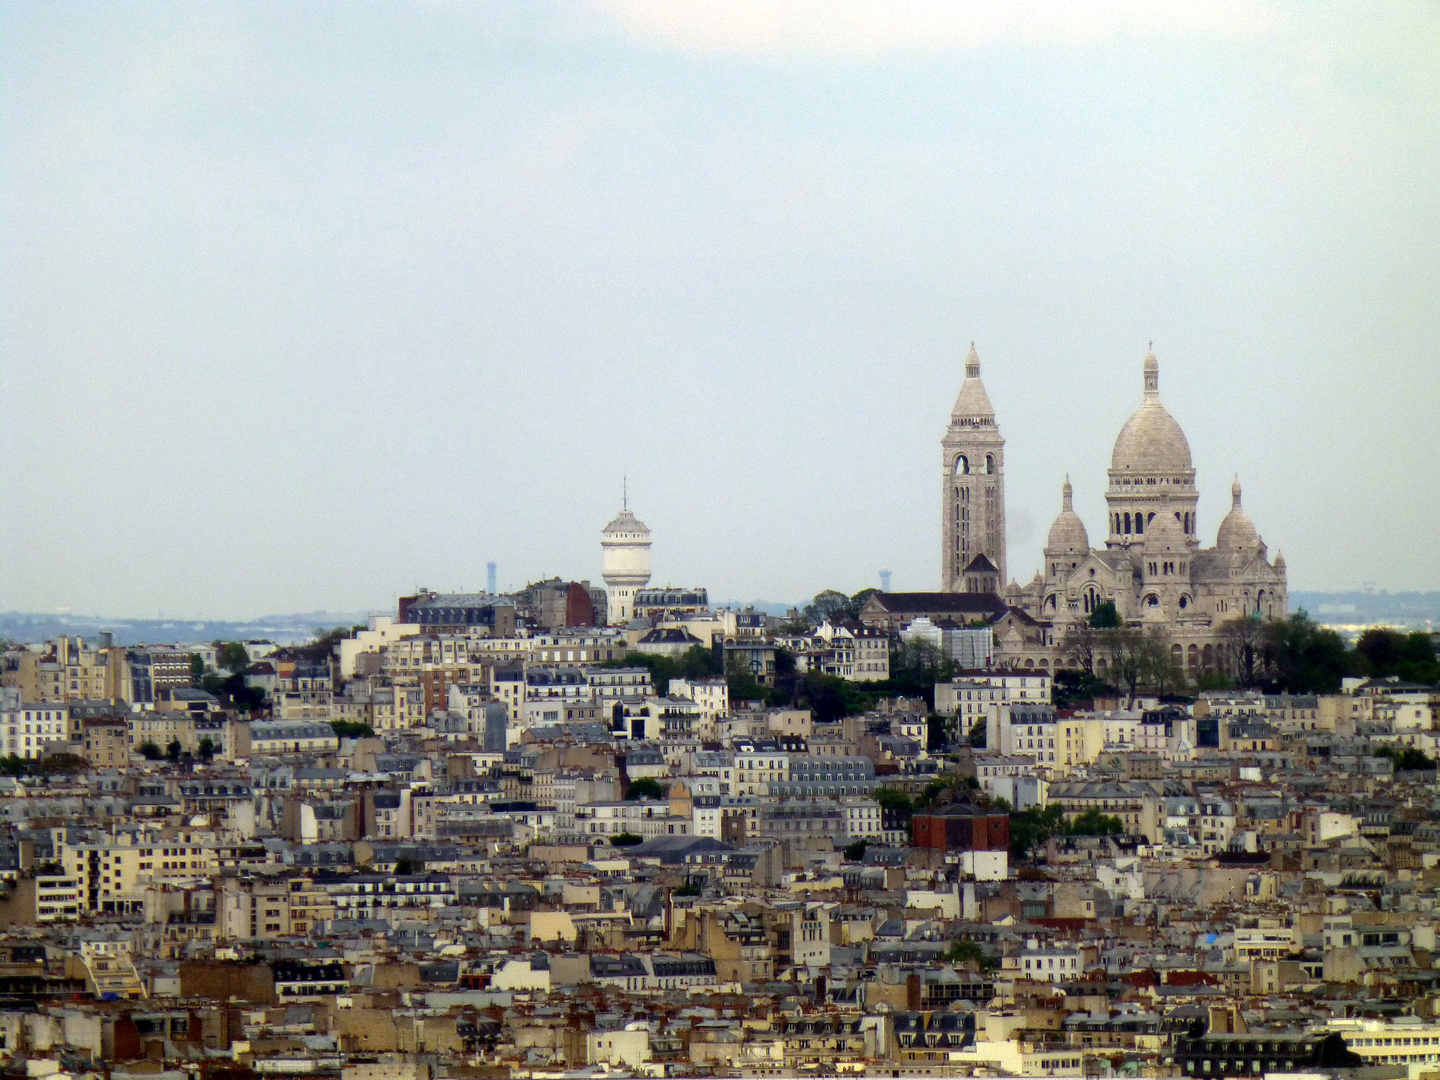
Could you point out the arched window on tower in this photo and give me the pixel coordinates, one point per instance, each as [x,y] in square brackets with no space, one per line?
[989,463]
[962,465]
[1140,524]
[1127,523]
[1187,524]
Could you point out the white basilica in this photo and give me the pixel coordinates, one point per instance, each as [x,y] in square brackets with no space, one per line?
[1151,566]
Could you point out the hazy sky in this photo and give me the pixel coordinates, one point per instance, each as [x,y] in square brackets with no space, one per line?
[304,305]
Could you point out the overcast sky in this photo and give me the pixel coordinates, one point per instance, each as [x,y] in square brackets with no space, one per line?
[305,305]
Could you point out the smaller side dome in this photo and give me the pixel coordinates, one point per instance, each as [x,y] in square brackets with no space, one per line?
[1237,531]
[1164,533]
[1067,534]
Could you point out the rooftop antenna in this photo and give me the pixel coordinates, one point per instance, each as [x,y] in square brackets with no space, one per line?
[625,493]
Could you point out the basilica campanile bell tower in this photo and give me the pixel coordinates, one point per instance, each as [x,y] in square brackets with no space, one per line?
[972,529]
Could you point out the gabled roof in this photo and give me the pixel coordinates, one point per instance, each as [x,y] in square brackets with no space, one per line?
[959,603]
[981,565]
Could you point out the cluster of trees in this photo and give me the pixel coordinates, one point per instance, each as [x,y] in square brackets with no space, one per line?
[962,951]
[231,689]
[205,750]
[696,663]
[1293,655]
[1031,828]
[1407,758]
[646,787]
[1129,658]
[830,605]
[322,647]
[938,792]
[54,765]
[352,729]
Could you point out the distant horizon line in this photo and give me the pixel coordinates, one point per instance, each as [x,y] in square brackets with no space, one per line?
[331,614]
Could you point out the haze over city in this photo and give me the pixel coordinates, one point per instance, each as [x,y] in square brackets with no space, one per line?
[304,307]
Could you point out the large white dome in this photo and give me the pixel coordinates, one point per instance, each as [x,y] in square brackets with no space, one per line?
[1151,440]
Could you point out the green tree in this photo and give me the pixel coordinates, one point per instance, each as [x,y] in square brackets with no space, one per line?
[962,951]
[241,695]
[645,788]
[62,765]
[1302,657]
[1406,757]
[352,729]
[321,648]
[1075,689]
[1381,649]
[1081,645]
[626,839]
[855,852]
[1029,829]
[1214,680]
[1129,658]
[916,666]
[1094,823]
[697,662]
[978,736]
[1164,673]
[149,751]
[197,668]
[205,751]
[1105,616]
[174,750]
[743,684]
[1242,649]
[1381,652]
[232,656]
[857,602]
[890,799]
[940,790]
[828,604]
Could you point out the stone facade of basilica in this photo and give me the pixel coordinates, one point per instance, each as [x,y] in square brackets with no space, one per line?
[1152,566]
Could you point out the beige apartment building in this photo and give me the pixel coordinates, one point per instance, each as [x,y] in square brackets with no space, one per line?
[71,669]
[113,877]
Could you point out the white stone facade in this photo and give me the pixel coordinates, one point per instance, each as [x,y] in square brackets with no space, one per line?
[625,550]
[1152,567]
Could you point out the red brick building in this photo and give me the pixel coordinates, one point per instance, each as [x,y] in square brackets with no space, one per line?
[962,827]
